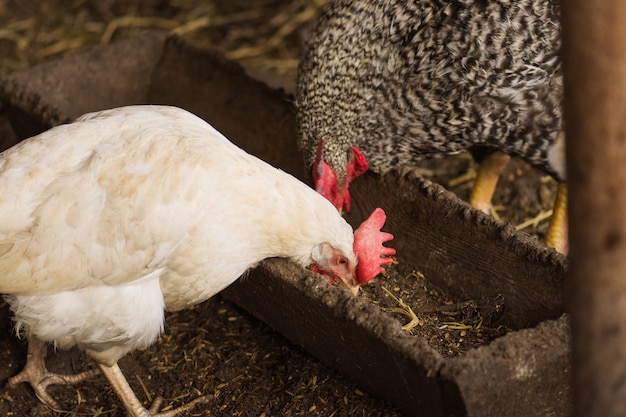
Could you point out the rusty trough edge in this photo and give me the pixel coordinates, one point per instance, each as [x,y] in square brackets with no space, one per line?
[347,333]
[536,363]
[464,252]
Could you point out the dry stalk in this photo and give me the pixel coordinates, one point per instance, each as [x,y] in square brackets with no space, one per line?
[453,325]
[534,221]
[144,388]
[467,176]
[135,22]
[405,310]
[277,39]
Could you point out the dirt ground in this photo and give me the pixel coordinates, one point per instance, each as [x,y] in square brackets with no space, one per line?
[217,348]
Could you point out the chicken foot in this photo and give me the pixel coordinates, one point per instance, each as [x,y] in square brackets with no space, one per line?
[39,378]
[133,406]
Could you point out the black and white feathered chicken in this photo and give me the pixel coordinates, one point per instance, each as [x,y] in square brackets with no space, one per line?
[384,84]
[112,219]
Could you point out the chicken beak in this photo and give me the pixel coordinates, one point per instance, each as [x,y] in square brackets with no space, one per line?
[348,283]
[353,288]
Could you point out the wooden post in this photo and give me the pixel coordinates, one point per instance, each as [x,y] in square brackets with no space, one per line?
[594,60]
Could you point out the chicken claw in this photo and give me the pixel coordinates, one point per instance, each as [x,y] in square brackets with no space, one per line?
[132,404]
[39,378]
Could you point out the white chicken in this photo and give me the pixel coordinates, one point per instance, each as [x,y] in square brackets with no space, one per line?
[126,212]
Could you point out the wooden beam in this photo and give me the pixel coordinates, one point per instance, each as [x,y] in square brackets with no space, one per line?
[594,60]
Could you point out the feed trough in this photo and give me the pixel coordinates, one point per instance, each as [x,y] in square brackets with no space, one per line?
[463,253]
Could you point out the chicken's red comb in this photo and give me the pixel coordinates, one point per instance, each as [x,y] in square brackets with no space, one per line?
[369,249]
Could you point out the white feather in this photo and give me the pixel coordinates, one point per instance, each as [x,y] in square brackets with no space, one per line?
[110,219]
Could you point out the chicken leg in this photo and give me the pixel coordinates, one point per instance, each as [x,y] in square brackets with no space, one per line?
[36,374]
[132,404]
[486,180]
[485,184]
[557,234]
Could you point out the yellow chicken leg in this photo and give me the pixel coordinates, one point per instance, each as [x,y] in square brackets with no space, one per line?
[484,187]
[132,404]
[486,180]
[557,234]
[36,374]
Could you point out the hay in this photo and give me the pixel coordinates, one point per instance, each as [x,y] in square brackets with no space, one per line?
[266,34]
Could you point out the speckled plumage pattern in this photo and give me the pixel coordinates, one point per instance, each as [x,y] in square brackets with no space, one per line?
[404,80]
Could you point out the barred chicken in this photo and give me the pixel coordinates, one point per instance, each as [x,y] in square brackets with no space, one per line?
[384,84]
